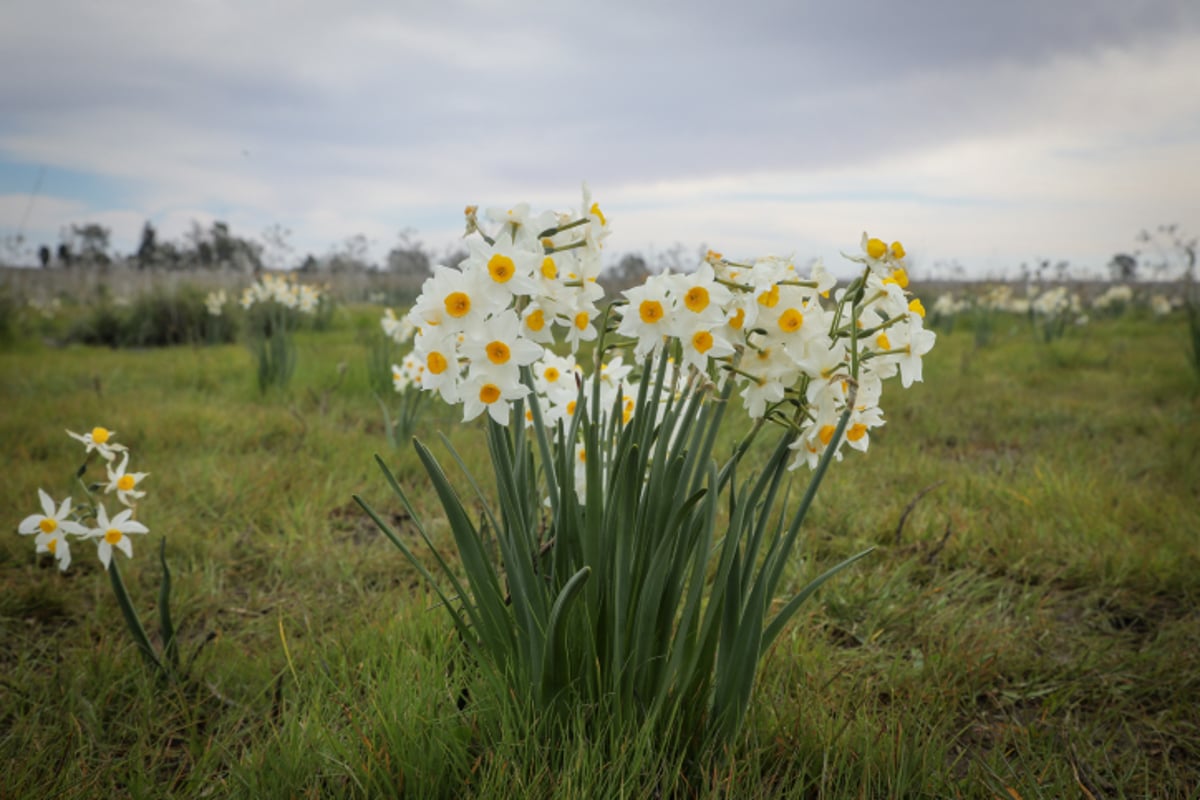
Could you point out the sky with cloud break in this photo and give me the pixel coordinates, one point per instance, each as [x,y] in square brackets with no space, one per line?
[980,133]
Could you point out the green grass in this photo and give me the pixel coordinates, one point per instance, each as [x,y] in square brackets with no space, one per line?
[1033,631]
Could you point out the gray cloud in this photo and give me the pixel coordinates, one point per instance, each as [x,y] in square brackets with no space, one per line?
[279,102]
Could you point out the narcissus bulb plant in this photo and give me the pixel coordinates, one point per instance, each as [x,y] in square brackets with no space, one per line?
[628,568]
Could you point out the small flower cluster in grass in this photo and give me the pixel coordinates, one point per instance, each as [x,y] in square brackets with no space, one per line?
[1114,299]
[91,522]
[400,330]
[215,302]
[273,306]
[404,378]
[792,351]
[287,293]
[267,289]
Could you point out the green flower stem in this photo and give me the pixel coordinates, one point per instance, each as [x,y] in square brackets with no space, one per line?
[571,246]
[560,228]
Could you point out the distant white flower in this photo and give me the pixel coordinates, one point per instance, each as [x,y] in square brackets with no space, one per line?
[215,302]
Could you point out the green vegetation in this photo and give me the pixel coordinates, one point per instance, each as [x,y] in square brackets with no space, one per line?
[1028,625]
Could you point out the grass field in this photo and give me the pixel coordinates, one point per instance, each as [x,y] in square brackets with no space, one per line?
[1028,626]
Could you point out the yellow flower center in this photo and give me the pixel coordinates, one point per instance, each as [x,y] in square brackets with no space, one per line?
[882,342]
[489,393]
[551,374]
[571,408]
[112,536]
[52,546]
[48,525]
[595,209]
[696,299]
[856,432]
[126,482]
[436,362]
[651,311]
[790,321]
[581,320]
[100,435]
[702,341]
[498,352]
[899,277]
[769,298]
[458,304]
[876,248]
[501,268]
[826,434]
[549,268]
[916,307]
[536,319]
[582,455]
[738,319]
[897,250]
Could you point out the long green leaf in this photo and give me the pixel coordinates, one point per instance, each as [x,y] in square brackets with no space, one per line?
[780,620]
[553,672]
[131,618]
[166,627]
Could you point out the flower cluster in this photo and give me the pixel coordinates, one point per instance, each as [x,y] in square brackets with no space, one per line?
[1114,298]
[91,522]
[399,329]
[478,324]
[288,293]
[797,357]
[215,302]
[794,357]
[407,373]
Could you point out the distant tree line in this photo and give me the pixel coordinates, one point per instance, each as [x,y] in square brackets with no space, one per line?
[217,248]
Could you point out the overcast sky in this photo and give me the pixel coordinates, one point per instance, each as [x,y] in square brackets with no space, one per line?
[986,133]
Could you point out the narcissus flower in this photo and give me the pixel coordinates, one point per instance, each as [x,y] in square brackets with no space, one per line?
[125,483]
[483,392]
[55,544]
[648,317]
[51,521]
[52,528]
[115,533]
[100,440]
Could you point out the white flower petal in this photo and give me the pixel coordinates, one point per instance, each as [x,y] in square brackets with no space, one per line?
[47,503]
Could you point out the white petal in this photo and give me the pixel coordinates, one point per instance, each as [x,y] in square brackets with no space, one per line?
[30,524]
[62,552]
[47,503]
[126,546]
[105,552]
[67,526]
